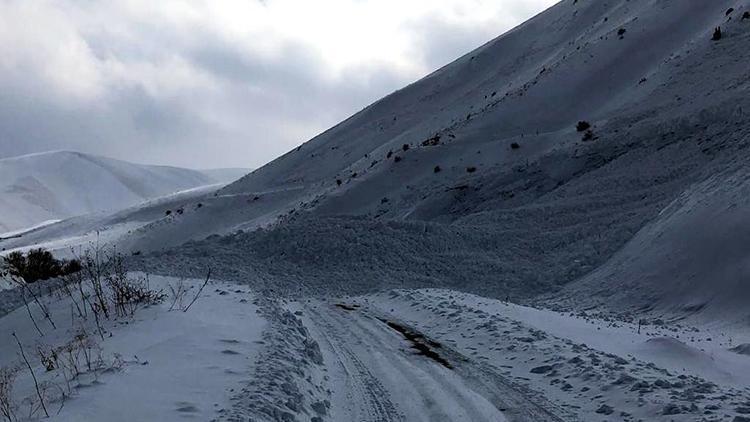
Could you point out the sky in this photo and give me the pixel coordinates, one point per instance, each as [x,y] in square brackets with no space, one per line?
[218,83]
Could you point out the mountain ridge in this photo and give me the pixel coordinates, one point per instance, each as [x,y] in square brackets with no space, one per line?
[55,185]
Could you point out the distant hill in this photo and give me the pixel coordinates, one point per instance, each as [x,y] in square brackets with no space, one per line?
[37,188]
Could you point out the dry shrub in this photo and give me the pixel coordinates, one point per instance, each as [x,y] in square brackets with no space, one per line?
[8,407]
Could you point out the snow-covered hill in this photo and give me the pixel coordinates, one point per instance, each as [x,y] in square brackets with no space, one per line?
[482,181]
[477,177]
[48,186]
[482,178]
[692,258]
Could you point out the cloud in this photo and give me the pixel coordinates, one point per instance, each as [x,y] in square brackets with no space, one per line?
[208,83]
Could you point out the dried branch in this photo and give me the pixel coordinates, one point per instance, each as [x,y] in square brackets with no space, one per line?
[197,295]
[33,376]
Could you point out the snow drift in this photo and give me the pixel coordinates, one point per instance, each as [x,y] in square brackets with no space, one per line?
[692,258]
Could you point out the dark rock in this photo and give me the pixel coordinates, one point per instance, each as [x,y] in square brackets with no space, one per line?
[605,410]
[671,409]
[542,369]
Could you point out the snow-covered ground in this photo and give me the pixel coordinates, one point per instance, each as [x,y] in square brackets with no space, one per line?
[401,355]
[5,283]
[465,248]
[478,359]
[158,365]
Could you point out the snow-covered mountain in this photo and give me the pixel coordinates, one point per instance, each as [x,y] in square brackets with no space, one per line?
[37,188]
[592,161]
[480,177]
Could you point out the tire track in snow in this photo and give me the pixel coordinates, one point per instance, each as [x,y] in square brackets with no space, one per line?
[415,388]
[446,397]
[370,401]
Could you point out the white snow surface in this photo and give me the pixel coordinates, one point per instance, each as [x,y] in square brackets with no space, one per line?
[576,362]
[401,355]
[5,283]
[693,256]
[174,364]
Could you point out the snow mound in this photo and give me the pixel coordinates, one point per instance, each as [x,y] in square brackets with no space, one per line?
[692,258]
[663,349]
[742,349]
[669,346]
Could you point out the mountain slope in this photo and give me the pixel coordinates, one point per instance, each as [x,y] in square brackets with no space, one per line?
[564,65]
[476,177]
[518,201]
[56,185]
[691,259]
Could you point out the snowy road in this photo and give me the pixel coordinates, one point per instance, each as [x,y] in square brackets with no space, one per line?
[385,371]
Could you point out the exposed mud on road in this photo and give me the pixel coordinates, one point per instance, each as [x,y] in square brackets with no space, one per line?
[346,307]
[422,345]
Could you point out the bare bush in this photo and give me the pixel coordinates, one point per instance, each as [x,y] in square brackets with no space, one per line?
[39,389]
[36,406]
[177,292]
[583,126]
[129,293]
[26,290]
[717,34]
[96,264]
[48,358]
[81,355]
[73,288]
[106,288]
[198,294]
[8,407]
[102,289]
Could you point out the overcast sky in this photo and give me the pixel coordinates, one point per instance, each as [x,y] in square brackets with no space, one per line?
[217,83]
